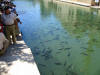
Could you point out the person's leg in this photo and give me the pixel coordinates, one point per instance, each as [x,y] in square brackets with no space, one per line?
[7,33]
[2,52]
[13,34]
[6,44]
[17,30]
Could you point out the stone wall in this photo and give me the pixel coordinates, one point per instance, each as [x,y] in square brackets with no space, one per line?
[84,1]
[92,2]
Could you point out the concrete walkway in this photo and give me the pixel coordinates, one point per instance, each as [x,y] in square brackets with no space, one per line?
[18,60]
[78,3]
[81,4]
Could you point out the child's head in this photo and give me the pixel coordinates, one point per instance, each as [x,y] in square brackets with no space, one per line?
[7,11]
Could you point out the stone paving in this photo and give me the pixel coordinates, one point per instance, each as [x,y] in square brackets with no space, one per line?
[18,60]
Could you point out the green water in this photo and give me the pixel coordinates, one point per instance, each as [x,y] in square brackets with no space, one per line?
[64,38]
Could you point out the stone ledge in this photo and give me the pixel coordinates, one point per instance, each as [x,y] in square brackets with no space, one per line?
[18,60]
[78,3]
[81,4]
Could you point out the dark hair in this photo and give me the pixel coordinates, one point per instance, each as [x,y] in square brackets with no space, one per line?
[6,8]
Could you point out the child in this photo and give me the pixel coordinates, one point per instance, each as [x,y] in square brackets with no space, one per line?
[4,43]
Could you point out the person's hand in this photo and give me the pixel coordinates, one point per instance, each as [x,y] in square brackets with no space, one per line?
[20,22]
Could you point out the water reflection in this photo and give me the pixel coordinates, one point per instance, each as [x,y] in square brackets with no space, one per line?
[64,38]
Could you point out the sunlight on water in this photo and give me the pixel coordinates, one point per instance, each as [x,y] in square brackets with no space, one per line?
[64,38]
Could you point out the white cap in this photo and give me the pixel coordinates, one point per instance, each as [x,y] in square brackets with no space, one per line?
[2,5]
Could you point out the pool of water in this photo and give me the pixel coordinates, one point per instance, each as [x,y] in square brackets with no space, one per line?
[64,38]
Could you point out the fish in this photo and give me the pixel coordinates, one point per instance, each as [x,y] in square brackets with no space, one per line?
[84,54]
[60,49]
[42,65]
[73,73]
[57,63]
[65,63]
[49,51]
[67,48]
[42,55]
[52,73]
[58,52]
[41,42]
[98,28]
[69,67]
[46,53]
[83,48]
[62,41]
[56,38]
[66,73]
[36,53]
[68,54]
[43,51]
[57,28]
[94,40]
[36,48]
[48,57]
[51,32]
[48,40]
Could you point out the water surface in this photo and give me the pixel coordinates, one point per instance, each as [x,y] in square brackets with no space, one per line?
[64,38]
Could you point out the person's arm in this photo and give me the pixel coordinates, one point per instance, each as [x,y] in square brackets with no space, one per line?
[14,17]
[19,20]
[15,22]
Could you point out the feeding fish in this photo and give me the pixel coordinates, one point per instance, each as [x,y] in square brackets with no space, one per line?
[57,63]
[42,65]
[84,54]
